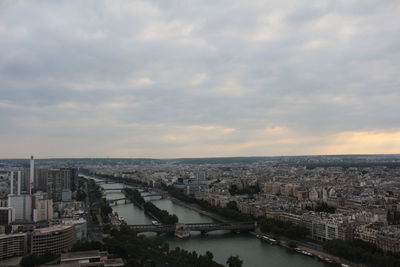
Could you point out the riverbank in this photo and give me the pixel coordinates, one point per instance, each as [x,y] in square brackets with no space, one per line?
[316,253]
[254,252]
[301,245]
[211,241]
[198,209]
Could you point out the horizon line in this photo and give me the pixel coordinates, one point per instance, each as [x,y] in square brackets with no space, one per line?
[211,157]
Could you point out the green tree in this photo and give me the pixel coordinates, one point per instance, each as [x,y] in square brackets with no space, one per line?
[28,261]
[32,260]
[232,205]
[234,261]
[81,195]
[209,255]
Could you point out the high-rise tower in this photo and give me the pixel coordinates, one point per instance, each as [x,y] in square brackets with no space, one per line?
[32,175]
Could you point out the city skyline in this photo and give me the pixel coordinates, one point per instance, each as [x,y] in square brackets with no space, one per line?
[170,80]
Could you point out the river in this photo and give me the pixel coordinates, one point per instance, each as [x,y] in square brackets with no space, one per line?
[254,252]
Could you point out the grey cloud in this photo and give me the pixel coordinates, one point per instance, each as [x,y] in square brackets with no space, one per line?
[317,69]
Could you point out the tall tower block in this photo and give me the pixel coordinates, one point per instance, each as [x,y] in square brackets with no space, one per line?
[12,183]
[32,175]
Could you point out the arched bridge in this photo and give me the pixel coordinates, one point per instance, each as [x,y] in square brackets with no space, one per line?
[200,227]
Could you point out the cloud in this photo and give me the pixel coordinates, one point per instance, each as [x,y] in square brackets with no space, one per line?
[205,78]
[363,143]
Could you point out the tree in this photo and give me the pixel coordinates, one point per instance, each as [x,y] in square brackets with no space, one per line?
[209,255]
[234,261]
[28,261]
[232,205]
[81,195]
[86,245]
[32,260]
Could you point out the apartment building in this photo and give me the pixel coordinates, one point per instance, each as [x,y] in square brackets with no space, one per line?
[54,239]
[13,245]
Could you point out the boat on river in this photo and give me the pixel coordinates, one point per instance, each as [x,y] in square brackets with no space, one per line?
[325,259]
[270,240]
[306,253]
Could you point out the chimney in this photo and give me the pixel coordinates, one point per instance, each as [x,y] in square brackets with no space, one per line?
[19,183]
[32,174]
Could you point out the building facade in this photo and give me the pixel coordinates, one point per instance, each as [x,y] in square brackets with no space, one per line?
[54,239]
[43,207]
[13,245]
[22,204]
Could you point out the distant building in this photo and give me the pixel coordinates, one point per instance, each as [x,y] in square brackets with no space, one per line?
[92,258]
[328,226]
[6,215]
[43,207]
[4,185]
[3,202]
[66,195]
[22,205]
[40,182]
[59,180]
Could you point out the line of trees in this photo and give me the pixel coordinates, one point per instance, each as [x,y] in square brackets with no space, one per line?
[139,250]
[105,209]
[231,212]
[162,215]
[284,228]
[134,195]
[98,202]
[119,179]
[31,260]
[361,252]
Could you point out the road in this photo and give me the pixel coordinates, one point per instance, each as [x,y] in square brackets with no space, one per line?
[94,231]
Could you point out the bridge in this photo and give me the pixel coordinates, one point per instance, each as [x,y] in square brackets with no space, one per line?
[200,227]
[146,194]
[115,200]
[122,188]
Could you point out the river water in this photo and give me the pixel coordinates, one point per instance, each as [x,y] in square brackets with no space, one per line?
[254,252]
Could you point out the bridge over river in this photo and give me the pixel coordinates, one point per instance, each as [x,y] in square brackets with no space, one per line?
[114,201]
[200,227]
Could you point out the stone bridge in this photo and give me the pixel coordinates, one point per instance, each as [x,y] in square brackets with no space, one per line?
[200,227]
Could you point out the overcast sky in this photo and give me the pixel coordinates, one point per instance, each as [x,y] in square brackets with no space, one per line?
[199,78]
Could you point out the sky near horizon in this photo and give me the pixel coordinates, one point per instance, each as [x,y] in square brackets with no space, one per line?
[199,78]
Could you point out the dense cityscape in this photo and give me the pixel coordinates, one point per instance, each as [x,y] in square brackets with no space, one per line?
[335,209]
[153,133]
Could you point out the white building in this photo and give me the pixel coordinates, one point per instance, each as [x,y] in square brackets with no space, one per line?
[22,204]
[43,207]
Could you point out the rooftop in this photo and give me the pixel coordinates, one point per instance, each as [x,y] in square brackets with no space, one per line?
[79,255]
[12,235]
[114,262]
[52,229]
